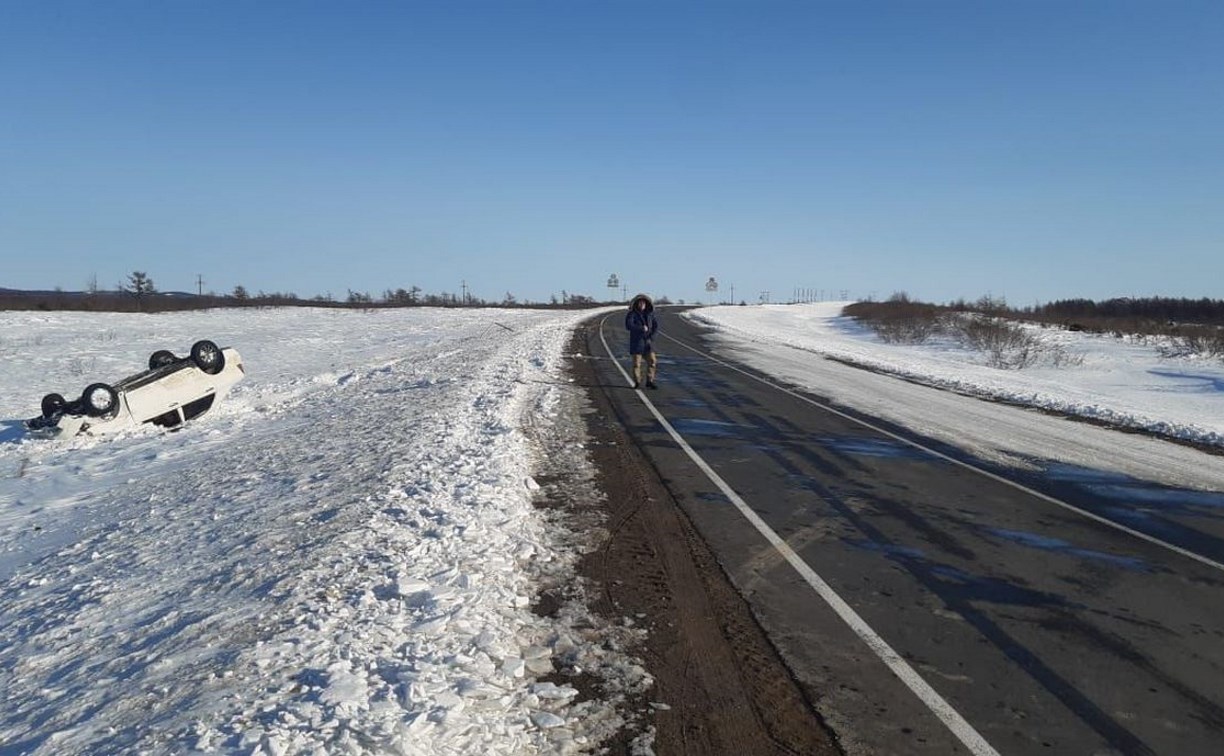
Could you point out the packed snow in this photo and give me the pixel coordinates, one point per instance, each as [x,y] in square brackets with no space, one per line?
[1122,383]
[340,558]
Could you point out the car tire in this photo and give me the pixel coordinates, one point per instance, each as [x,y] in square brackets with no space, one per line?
[161,358]
[208,357]
[99,400]
[53,404]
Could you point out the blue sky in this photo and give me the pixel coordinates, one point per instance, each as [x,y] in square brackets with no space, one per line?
[1032,150]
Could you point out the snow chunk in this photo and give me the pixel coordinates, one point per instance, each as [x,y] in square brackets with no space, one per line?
[347,691]
[546,720]
[552,691]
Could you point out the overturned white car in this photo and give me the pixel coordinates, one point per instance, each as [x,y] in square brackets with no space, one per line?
[173,390]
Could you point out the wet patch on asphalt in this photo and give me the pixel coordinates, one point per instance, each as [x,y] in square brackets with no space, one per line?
[873,447]
[687,426]
[891,549]
[1137,502]
[1057,545]
[954,585]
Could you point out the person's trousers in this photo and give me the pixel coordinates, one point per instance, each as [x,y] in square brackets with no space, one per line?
[652,366]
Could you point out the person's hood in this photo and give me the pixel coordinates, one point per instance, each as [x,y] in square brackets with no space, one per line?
[641,297]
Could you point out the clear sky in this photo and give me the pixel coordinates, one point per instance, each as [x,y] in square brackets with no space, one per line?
[1033,150]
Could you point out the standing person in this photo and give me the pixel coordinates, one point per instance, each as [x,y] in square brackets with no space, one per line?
[642,326]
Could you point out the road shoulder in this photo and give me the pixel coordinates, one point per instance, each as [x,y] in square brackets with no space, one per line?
[722,686]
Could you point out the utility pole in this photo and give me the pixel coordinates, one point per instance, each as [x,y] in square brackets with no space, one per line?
[200,284]
[464,285]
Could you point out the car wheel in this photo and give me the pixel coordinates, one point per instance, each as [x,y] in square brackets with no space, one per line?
[53,404]
[161,358]
[208,357]
[99,400]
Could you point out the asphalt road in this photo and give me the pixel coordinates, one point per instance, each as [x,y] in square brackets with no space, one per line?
[927,607]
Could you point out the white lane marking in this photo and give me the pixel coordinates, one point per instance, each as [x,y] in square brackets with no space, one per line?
[999,478]
[928,695]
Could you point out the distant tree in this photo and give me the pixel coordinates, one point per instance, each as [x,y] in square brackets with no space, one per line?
[276,297]
[401,297]
[509,299]
[139,286]
[357,297]
[240,293]
[91,285]
[990,304]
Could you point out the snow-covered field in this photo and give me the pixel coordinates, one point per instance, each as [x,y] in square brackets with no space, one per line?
[340,558]
[1124,384]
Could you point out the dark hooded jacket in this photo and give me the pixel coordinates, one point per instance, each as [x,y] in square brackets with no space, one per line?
[642,326]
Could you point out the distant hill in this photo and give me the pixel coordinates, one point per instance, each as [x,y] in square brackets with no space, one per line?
[100,293]
[105,301]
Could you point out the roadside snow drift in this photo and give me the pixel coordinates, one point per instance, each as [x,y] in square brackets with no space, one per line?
[340,558]
[1117,381]
[940,397]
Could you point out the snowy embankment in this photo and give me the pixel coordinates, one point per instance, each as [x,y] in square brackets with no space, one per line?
[1119,382]
[340,558]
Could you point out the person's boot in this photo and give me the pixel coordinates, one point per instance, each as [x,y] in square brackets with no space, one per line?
[650,384]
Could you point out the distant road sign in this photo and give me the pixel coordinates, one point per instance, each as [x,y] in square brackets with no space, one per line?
[613,282]
[711,285]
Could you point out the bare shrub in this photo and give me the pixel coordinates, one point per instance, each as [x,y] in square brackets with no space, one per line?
[898,321]
[1195,341]
[1058,357]
[1006,345]
[984,326]
[902,331]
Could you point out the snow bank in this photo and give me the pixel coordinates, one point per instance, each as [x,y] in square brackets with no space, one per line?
[1120,382]
[339,559]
